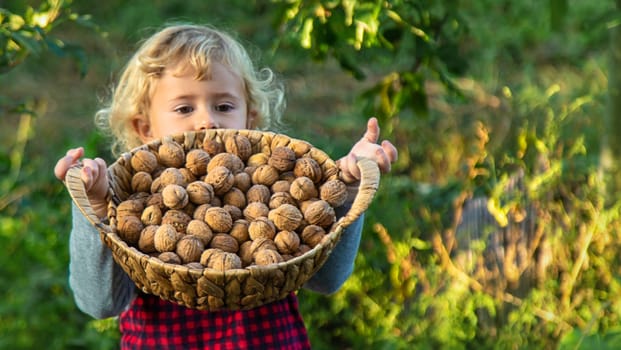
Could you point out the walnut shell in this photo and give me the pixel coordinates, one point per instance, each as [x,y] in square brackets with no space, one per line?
[245,253]
[218,219]
[234,211]
[141,182]
[171,154]
[257,160]
[308,167]
[258,193]
[189,248]
[312,235]
[213,146]
[146,242]
[227,160]
[238,145]
[239,231]
[235,197]
[143,160]
[200,229]
[287,242]
[303,188]
[166,237]
[175,196]
[265,175]
[152,215]
[171,176]
[282,158]
[225,261]
[130,207]
[267,257]
[320,213]
[286,217]
[221,178]
[242,181]
[279,198]
[261,244]
[155,199]
[196,161]
[280,186]
[177,218]
[199,212]
[261,227]
[187,176]
[170,258]
[208,254]
[129,228]
[199,192]
[254,210]
[334,192]
[225,242]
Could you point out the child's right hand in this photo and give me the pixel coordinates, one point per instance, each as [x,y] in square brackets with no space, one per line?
[94,175]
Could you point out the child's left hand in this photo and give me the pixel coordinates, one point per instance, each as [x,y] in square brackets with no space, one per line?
[384,153]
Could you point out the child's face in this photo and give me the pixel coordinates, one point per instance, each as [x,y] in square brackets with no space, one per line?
[181,103]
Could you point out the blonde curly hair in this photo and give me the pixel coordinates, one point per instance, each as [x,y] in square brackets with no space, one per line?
[197,46]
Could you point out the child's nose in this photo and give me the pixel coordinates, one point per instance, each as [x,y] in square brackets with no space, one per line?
[205,122]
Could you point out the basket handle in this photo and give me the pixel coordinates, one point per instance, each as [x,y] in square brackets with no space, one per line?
[77,191]
[369,182]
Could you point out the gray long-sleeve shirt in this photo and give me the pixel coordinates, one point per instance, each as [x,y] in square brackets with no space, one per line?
[102,289]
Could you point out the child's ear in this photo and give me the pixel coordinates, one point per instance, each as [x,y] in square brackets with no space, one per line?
[142,128]
[252,119]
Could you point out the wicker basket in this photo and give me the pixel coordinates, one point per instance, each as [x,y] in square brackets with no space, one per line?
[209,289]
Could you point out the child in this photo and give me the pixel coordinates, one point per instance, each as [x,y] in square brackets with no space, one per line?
[183,78]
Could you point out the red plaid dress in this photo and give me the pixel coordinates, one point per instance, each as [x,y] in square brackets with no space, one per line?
[153,323]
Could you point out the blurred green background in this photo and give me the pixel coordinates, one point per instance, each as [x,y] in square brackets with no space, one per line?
[498,227]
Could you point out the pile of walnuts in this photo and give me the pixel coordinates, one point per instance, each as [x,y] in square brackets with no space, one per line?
[222,206]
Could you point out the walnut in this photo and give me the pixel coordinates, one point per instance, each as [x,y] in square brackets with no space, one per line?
[156,185]
[143,160]
[257,160]
[213,147]
[245,254]
[238,145]
[166,237]
[302,250]
[171,176]
[195,265]
[225,261]
[130,207]
[303,205]
[199,192]
[175,196]
[262,244]
[239,231]
[221,178]
[155,199]
[308,167]
[141,182]
[258,193]
[152,215]
[207,255]
[187,176]
[177,218]
[300,148]
[287,242]
[312,235]
[334,192]
[279,198]
[288,176]
[320,213]
[235,197]
[199,212]
[170,258]
[189,248]
[171,154]
[261,227]
[286,217]
[242,181]
[129,228]
[254,210]
[227,160]
[267,257]
[196,161]
[234,211]
[303,189]
[281,186]
[225,242]
[200,230]
[146,242]
[282,158]
[218,219]
[265,175]
[216,202]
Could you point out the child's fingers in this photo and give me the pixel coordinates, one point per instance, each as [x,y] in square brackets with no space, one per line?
[91,170]
[64,163]
[390,150]
[373,131]
[349,168]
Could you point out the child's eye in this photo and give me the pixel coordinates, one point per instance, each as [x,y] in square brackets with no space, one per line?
[184,109]
[224,107]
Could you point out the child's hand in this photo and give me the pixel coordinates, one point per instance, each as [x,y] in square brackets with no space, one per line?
[384,153]
[94,175]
